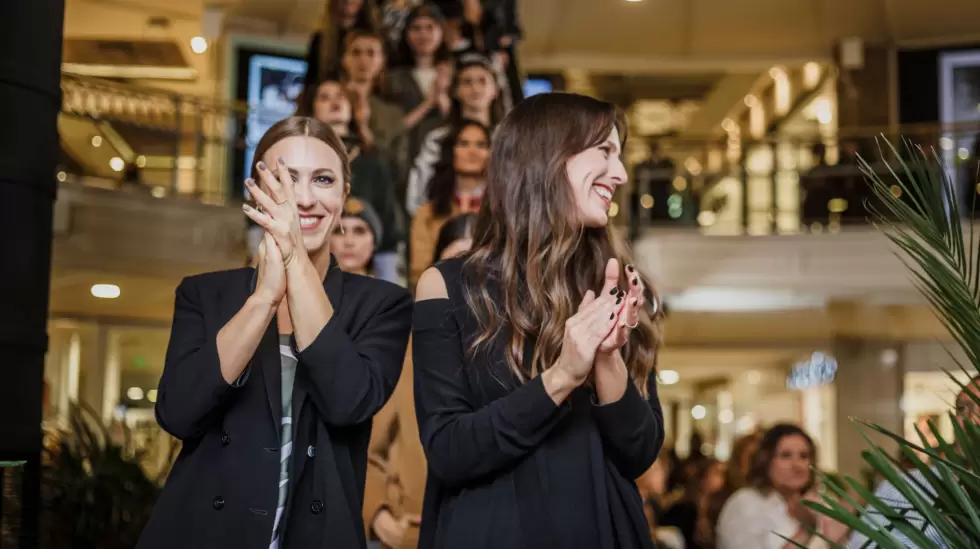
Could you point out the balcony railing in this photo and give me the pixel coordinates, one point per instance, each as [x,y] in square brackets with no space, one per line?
[165,143]
[785,184]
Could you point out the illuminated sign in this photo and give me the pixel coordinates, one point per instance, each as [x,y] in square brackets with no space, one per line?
[819,369]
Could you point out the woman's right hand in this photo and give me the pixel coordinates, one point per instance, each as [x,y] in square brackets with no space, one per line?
[271,284]
[595,319]
[390,530]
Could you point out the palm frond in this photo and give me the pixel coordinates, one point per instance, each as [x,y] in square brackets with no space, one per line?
[936,504]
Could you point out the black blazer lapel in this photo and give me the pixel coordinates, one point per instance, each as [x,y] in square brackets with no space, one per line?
[334,286]
[266,360]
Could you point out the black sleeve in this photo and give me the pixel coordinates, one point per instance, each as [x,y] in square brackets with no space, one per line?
[192,389]
[633,428]
[463,442]
[352,376]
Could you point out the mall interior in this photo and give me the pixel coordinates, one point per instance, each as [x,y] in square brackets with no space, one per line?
[744,204]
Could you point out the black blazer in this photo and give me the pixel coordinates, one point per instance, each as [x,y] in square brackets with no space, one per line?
[223,489]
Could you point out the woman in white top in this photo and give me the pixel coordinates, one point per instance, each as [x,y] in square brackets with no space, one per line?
[770,508]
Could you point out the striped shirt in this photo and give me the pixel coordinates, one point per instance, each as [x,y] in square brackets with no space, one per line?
[890,495]
[288,360]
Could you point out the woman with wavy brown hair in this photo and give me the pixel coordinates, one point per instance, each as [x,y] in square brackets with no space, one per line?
[534,353]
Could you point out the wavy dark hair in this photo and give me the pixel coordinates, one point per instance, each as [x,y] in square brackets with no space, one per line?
[403,55]
[456,228]
[538,259]
[442,187]
[758,476]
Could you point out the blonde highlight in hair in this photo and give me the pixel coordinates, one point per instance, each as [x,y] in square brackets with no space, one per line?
[539,259]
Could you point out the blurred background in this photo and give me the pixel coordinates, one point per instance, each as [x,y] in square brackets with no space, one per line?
[745,204]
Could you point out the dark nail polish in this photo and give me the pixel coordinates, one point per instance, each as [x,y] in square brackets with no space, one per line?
[250,182]
[622,294]
[619,300]
[612,316]
[614,291]
[636,281]
[260,165]
[281,161]
[636,302]
[629,268]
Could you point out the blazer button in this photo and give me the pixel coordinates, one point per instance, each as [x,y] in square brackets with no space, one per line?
[225,438]
[310,451]
[316,507]
[218,503]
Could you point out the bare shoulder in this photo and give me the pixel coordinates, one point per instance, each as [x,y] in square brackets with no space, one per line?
[431,285]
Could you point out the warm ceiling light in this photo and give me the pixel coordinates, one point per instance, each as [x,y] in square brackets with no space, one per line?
[669,377]
[199,44]
[106,291]
[134,393]
[96,140]
[117,164]
[698,412]
[151,395]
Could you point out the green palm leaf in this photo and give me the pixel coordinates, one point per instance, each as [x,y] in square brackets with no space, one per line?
[917,209]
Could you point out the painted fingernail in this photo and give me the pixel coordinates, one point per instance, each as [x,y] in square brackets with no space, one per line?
[612,316]
[614,291]
[281,161]
[619,300]
[622,294]
[260,165]
[250,182]
[636,302]
[629,268]
[636,281]
[246,207]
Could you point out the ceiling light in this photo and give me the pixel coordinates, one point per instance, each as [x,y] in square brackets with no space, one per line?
[96,140]
[117,164]
[199,44]
[668,377]
[698,412]
[726,416]
[151,395]
[105,291]
[134,393]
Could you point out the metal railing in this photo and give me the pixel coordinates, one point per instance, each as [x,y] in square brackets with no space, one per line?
[786,184]
[166,143]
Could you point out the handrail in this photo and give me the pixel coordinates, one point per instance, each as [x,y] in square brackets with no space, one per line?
[213,103]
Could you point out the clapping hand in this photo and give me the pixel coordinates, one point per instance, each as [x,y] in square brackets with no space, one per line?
[628,303]
[278,215]
[595,320]
[271,284]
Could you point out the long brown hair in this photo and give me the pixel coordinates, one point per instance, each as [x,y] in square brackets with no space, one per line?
[539,258]
[762,460]
[301,126]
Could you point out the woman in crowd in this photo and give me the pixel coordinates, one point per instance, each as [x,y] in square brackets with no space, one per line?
[736,476]
[340,18]
[379,122]
[535,397]
[371,178]
[475,95]
[456,188]
[771,505]
[420,74]
[355,238]
[273,374]
[396,464]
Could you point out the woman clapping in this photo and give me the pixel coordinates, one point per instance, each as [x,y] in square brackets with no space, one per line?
[534,352]
[273,375]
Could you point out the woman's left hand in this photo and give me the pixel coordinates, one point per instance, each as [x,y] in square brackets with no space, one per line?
[279,215]
[629,311]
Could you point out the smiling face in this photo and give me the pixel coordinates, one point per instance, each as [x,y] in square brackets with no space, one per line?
[331,104]
[316,173]
[354,245]
[594,175]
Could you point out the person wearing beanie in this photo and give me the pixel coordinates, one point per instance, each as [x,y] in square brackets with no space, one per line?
[356,237]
